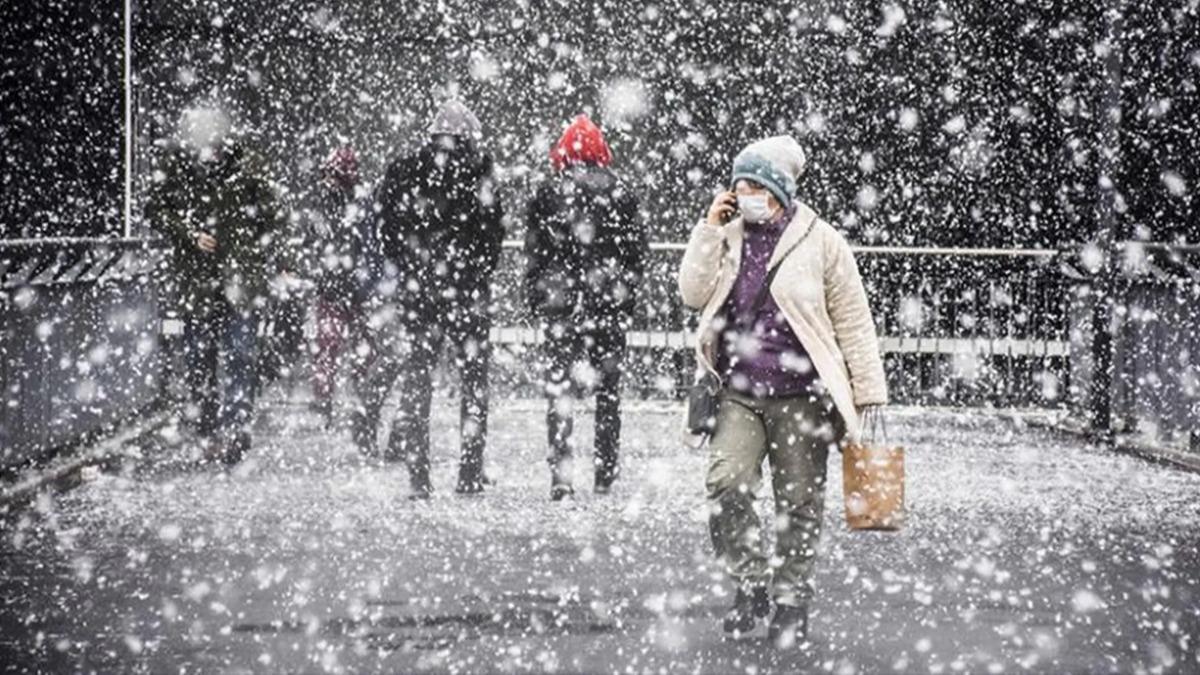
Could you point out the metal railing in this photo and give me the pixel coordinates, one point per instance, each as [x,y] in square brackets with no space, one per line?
[85,317]
[958,326]
[82,339]
[1151,390]
[74,260]
[79,326]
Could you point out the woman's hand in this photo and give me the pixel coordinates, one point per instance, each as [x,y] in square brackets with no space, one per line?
[723,207]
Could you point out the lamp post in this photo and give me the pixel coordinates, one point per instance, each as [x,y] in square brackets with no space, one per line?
[127,229]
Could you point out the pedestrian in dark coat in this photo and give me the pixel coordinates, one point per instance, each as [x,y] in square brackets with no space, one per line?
[215,207]
[441,227]
[586,246]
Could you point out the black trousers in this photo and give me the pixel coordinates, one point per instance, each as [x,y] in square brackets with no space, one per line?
[585,358]
[220,355]
[284,343]
[411,359]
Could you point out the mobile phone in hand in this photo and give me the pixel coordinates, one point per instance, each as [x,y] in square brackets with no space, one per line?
[733,213]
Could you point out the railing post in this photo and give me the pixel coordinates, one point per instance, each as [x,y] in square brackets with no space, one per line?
[1104,285]
[1100,395]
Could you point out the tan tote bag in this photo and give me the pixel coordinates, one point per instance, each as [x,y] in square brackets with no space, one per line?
[873,478]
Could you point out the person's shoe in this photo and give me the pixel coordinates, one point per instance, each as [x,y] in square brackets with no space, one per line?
[235,450]
[422,490]
[469,484]
[604,482]
[211,450]
[323,408]
[748,608]
[363,433]
[789,626]
[560,483]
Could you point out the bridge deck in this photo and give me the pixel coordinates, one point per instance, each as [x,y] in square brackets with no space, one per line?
[1024,552]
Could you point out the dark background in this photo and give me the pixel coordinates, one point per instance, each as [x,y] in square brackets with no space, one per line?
[1007,99]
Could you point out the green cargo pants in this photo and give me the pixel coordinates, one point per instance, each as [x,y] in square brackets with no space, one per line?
[795,435]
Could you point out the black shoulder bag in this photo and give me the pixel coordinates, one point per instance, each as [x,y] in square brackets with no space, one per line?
[703,397]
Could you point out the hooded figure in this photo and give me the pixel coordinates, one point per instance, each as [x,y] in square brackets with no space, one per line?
[440,224]
[214,205]
[586,246]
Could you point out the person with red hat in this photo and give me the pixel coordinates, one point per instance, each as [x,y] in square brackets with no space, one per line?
[586,246]
[335,242]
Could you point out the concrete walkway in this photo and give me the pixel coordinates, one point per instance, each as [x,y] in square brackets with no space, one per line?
[1024,552]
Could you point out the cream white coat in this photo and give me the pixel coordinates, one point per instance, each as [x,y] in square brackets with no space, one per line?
[820,293]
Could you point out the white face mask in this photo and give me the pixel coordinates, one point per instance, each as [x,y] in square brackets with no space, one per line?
[754,208]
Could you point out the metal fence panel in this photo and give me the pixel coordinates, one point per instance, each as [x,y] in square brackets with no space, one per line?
[79,340]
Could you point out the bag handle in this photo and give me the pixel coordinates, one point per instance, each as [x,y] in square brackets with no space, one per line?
[875,425]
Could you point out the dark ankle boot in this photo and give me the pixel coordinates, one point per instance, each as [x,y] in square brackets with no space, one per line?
[604,481]
[418,478]
[422,489]
[470,482]
[362,431]
[236,448]
[789,626]
[560,488]
[748,607]
[323,407]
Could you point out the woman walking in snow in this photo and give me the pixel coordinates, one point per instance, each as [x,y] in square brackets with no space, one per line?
[797,359]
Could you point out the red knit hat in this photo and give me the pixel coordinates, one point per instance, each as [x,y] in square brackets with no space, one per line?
[342,166]
[581,143]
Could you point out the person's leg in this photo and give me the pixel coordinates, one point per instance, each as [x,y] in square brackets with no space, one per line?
[800,433]
[331,329]
[607,356]
[473,353]
[200,351]
[735,455]
[561,350]
[736,452]
[361,343]
[284,318]
[239,360]
[386,355]
[294,312]
[409,439]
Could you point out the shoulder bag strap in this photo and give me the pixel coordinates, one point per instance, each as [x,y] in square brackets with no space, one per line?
[761,298]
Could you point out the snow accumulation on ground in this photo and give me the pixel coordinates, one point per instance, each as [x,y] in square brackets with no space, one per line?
[1024,551]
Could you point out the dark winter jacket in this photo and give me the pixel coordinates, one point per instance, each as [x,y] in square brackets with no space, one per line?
[586,247]
[229,198]
[440,223]
[337,244]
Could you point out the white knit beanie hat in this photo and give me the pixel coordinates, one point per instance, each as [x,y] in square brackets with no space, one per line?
[456,119]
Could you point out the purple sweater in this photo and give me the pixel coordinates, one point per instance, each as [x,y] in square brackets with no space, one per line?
[766,359]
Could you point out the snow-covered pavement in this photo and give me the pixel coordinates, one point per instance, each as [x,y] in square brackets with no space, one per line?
[1024,552]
